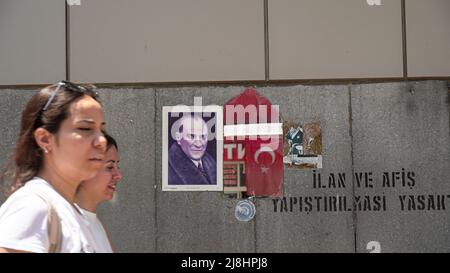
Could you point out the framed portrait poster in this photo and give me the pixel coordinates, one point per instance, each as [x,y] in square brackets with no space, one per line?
[192,148]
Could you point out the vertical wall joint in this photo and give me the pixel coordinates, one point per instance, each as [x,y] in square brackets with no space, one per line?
[67,11]
[404,48]
[266,39]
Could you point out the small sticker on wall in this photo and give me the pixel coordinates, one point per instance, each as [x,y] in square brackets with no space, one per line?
[245,210]
[302,145]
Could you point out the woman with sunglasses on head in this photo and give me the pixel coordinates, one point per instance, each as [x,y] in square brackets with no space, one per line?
[61,143]
[101,188]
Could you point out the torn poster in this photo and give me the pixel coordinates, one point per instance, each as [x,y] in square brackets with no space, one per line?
[253,145]
[303,145]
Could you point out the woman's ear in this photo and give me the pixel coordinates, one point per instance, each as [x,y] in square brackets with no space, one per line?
[43,138]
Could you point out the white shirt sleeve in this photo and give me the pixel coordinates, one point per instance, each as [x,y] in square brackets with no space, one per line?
[24,224]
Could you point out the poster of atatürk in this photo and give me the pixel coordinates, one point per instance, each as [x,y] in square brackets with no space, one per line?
[192,148]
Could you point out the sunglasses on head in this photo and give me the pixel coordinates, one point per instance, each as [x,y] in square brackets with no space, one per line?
[68,86]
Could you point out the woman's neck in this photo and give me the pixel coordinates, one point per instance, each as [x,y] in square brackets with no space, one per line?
[63,186]
[85,201]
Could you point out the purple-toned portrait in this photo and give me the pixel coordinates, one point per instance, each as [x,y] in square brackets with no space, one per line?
[190,154]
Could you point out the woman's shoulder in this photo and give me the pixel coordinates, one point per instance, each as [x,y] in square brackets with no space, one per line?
[34,197]
[21,205]
[23,221]
[32,189]
[26,199]
[40,188]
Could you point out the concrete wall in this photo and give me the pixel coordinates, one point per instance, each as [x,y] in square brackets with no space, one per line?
[134,41]
[166,40]
[422,29]
[389,131]
[312,39]
[32,41]
[372,129]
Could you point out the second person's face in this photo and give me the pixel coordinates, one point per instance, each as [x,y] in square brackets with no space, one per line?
[103,185]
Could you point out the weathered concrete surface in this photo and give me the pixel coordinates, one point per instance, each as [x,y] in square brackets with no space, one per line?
[12,103]
[399,127]
[388,127]
[317,231]
[130,119]
[196,221]
[130,116]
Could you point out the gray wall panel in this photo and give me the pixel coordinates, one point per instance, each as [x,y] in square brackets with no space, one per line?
[314,39]
[32,42]
[130,216]
[166,40]
[12,103]
[296,231]
[428,38]
[385,127]
[196,221]
[403,126]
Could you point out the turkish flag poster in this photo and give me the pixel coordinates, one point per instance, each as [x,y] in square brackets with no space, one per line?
[264,168]
[254,135]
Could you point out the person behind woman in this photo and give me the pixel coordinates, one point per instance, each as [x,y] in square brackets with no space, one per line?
[101,188]
[61,143]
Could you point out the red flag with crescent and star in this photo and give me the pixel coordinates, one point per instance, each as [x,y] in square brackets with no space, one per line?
[253,122]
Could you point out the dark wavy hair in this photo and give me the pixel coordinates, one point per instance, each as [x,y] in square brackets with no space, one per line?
[110,142]
[27,158]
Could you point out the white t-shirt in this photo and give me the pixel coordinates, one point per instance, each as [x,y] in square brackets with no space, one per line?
[24,221]
[102,244]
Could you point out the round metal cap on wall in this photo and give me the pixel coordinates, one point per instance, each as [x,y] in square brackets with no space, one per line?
[245,210]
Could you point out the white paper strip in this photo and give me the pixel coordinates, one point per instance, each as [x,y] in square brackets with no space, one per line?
[261,129]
